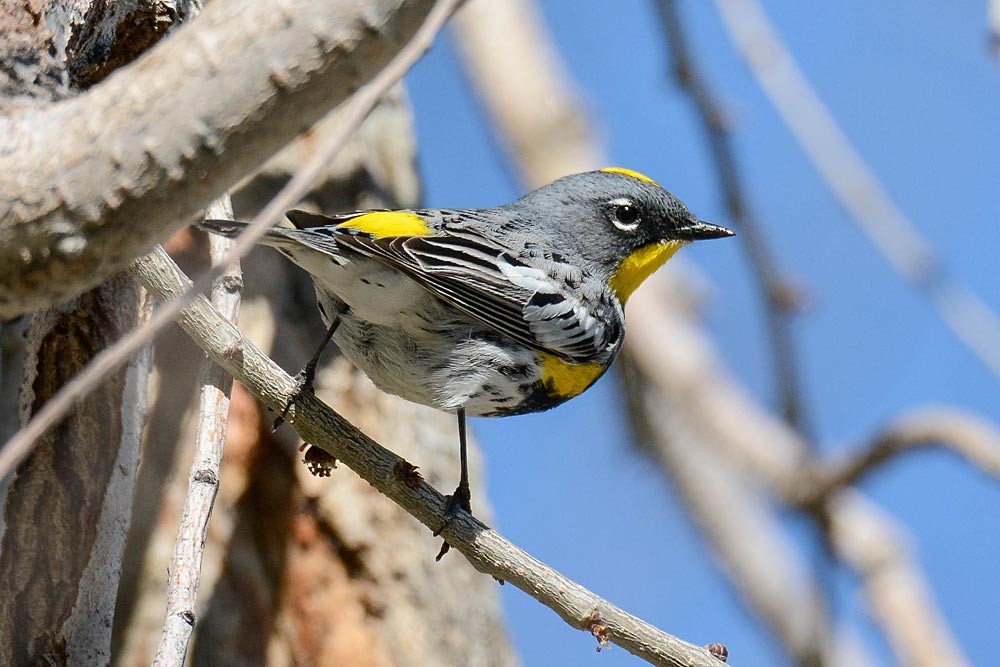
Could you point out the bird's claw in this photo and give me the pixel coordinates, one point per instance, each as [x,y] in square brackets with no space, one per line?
[303,386]
[461,499]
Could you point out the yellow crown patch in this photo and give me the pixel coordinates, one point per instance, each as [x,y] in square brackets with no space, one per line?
[630,172]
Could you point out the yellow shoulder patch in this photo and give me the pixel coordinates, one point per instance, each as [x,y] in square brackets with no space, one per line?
[629,172]
[381,224]
[640,265]
[566,380]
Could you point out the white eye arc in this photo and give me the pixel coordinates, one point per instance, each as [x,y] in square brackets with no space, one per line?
[624,214]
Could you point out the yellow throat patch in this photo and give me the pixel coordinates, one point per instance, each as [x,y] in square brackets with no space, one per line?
[382,224]
[640,265]
[629,172]
[566,380]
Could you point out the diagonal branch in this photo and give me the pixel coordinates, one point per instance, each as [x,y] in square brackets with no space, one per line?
[780,296]
[92,182]
[854,183]
[486,549]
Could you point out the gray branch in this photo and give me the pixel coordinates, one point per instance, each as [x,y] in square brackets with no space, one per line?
[184,572]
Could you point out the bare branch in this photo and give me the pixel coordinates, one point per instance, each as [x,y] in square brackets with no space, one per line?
[184,572]
[779,295]
[855,184]
[486,549]
[361,103]
[969,436]
[172,131]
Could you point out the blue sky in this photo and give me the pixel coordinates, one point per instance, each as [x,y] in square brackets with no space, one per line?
[917,92]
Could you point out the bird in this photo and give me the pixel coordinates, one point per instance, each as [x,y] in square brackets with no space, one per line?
[486,312]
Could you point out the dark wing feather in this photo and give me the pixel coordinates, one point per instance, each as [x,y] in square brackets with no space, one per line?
[489,283]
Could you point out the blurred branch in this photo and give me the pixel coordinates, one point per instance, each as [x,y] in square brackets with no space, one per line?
[694,386]
[871,543]
[398,479]
[184,571]
[780,296]
[508,57]
[82,197]
[994,27]
[972,438]
[738,522]
[854,184]
[352,114]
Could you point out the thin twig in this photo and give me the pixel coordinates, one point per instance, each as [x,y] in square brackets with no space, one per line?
[974,439]
[780,296]
[352,114]
[184,571]
[486,549]
[855,184]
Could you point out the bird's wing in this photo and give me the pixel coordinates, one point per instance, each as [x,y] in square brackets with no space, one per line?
[540,308]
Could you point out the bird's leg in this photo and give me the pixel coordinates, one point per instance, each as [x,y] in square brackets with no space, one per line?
[461,499]
[304,378]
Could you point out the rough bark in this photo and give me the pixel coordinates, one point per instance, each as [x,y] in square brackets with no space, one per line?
[67,509]
[169,134]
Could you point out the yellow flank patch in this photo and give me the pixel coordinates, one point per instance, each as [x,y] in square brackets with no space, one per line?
[640,265]
[381,224]
[566,380]
[629,172]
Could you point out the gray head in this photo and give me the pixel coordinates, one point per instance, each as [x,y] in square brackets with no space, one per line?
[621,224]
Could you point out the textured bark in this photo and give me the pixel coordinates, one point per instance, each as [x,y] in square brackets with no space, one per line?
[67,509]
[92,182]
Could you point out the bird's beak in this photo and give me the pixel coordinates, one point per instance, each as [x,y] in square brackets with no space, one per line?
[696,230]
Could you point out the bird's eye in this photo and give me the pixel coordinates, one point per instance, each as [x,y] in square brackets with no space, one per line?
[625,215]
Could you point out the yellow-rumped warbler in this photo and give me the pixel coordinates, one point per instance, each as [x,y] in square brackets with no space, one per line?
[491,312]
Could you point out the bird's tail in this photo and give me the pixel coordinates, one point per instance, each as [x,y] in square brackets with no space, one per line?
[292,241]
[226,228]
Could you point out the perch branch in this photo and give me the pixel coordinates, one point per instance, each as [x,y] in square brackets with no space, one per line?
[362,102]
[855,184]
[486,549]
[184,571]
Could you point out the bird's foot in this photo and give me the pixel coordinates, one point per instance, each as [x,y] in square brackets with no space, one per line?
[303,387]
[461,500]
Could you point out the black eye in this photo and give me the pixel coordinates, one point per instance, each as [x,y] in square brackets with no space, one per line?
[626,215]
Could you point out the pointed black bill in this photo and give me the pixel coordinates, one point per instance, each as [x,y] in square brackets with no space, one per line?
[697,230]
